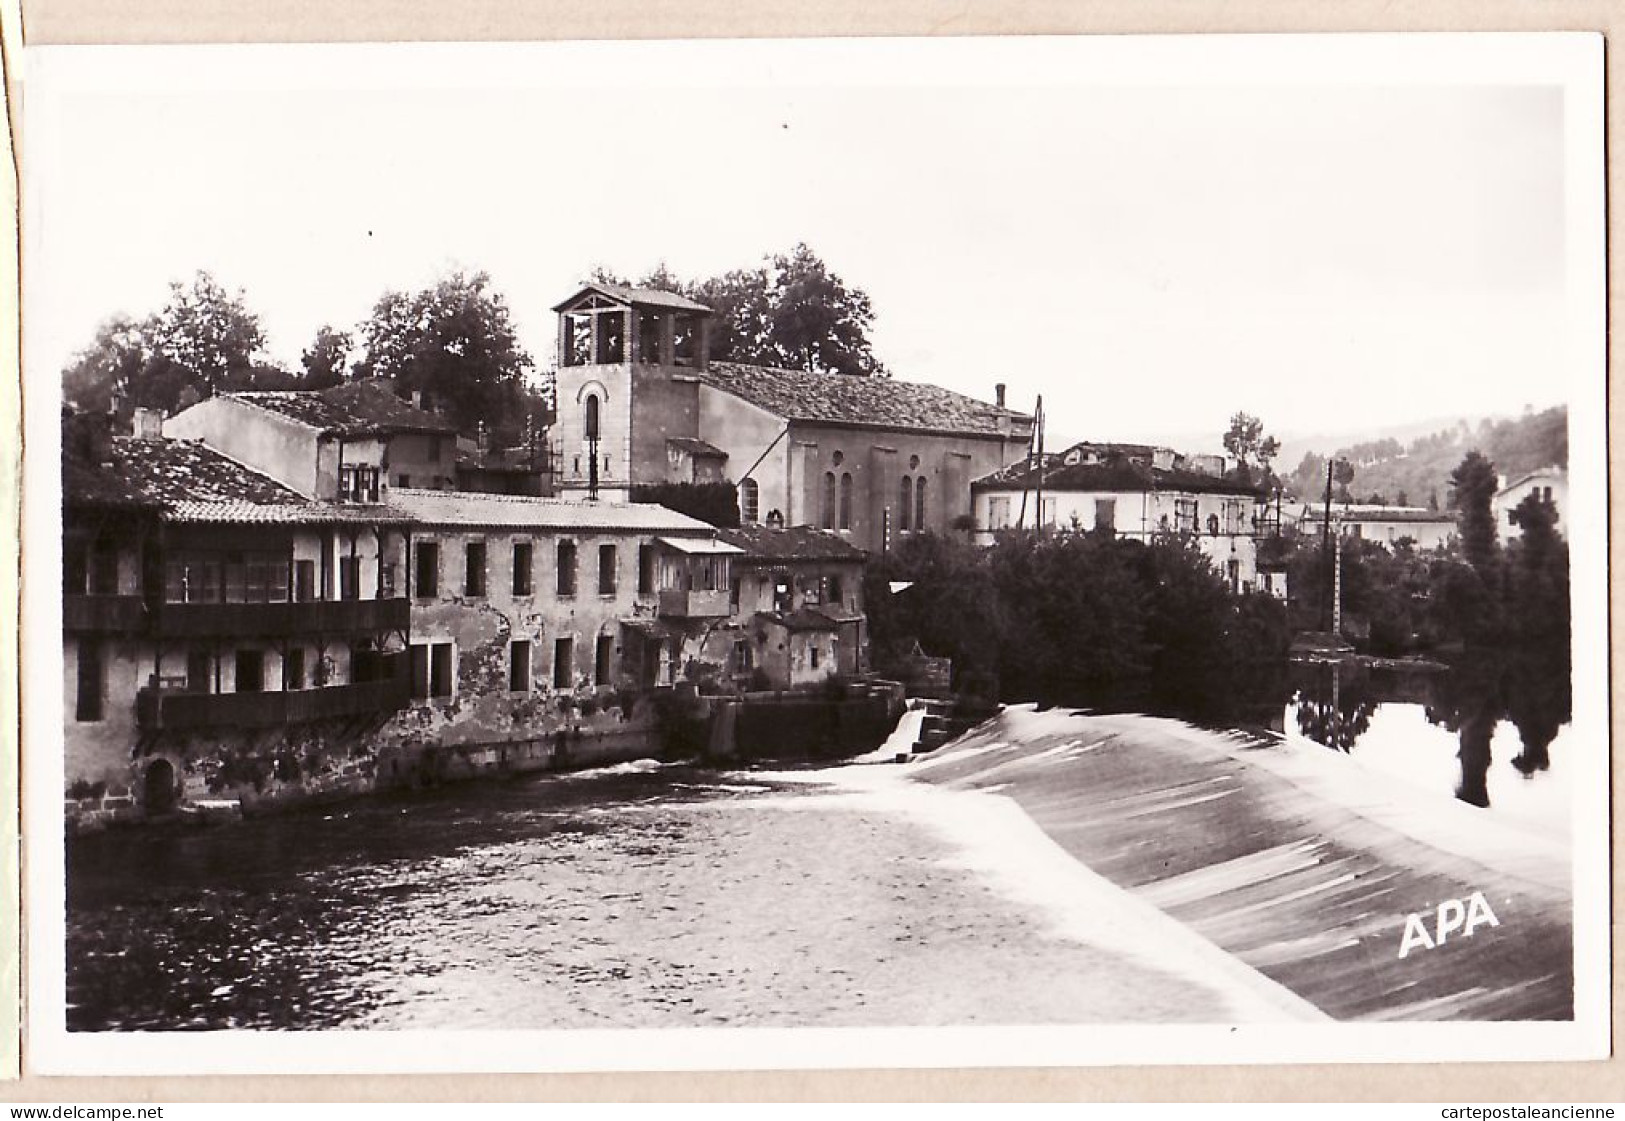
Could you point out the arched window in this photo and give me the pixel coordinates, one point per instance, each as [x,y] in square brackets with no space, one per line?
[749,496]
[1213,524]
[829,500]
[919,504]
[846,500]
[905,503]
[592,416]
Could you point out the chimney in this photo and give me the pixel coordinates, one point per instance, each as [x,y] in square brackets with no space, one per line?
[148,424]
[998,395]
[482,436]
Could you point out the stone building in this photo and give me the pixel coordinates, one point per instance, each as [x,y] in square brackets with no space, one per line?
[796,604]
[641,401]
[219,630]
[355,441]
[1135,491]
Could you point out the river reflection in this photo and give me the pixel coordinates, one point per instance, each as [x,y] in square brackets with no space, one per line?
[1447,726]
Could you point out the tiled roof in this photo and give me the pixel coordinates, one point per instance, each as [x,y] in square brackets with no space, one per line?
[696,447]
[1380,514]
[1537,473]
[465,508]
[191,482]
[353,409]
[1119,476]
[801,619]
[873,402]
[638,297]
[790,543]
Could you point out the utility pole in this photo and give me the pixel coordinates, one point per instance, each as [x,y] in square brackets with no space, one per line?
[1337,585]
[1326,542]
[1038,422]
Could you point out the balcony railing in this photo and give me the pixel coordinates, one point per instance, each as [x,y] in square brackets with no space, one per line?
[181,712]
[92,614]
[678,604]
[245,620]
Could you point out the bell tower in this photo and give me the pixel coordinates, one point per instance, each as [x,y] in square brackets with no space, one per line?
[627,365]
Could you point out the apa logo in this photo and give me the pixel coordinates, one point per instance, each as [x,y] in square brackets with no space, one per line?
[1454,914]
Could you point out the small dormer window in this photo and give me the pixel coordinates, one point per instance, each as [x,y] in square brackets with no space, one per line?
[358,483]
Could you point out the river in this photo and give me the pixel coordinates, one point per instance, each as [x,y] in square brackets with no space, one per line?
[640,896]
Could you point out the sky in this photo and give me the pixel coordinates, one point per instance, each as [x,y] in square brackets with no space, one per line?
[1151,235]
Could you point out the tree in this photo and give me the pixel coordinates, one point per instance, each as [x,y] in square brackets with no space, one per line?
[327,359]
[1247,442]
[202,342]
[1472,486]
[456,344]
[1343,475]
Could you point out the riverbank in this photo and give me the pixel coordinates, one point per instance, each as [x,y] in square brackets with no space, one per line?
[1288,858]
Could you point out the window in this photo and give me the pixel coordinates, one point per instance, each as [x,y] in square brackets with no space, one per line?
[828,519]
[104,564]
[358,483]
[607,573]
[293,668]
[250,671]
[603,658]
[403,480]
[577,339]
[386,580]
[519,666]
[427,582]
[304,580]
[749,499]
[646,570]
[592,416]
[523,563]
[846,500]
[1047,514]
[905,503]
[998,513]
[431,669]
[1213,524]
[919,504]
[1105,514]
[566,568]
[474,569]
[812,652]
[733,594]
[683,340]
[563,671]
[1185,511]
[91,672]
[349,577]
[611,337]
[835,591]
[75,567]
[649,338]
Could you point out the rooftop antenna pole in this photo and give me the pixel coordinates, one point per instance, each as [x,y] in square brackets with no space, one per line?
[1038,432]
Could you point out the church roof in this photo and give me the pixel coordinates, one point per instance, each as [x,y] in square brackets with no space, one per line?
[870,402]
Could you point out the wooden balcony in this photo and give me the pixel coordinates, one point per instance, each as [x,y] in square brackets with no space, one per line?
[678,604]
[279,620]
[182,712]
[93,614]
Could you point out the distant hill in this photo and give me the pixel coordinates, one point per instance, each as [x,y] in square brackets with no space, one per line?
[1406,469]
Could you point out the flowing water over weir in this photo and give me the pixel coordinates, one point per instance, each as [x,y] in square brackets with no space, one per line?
[1107,869]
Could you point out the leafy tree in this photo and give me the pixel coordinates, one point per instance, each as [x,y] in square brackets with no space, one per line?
[327,359]
[1246,441]
[456,344]
[202,342]
[1342,475]
[1472,485]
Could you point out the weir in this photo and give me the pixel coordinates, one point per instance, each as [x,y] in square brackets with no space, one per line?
[1285,856]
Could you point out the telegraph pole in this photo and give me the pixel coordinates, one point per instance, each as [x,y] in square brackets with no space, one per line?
[1326,541]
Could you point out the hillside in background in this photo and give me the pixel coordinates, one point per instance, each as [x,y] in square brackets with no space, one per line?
[1416,472]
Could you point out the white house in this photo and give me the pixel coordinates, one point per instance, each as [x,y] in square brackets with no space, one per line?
[1387,525]
[1550,483]
[1135,491]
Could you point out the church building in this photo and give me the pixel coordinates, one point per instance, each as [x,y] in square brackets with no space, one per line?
[874,459]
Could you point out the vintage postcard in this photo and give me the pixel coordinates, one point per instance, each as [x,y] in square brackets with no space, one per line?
[821,553]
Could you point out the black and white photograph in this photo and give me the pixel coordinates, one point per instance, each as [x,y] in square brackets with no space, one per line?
[846,553]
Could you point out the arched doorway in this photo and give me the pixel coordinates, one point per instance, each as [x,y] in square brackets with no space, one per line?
[158,788]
